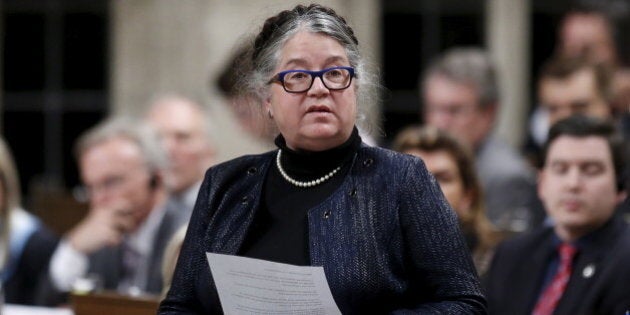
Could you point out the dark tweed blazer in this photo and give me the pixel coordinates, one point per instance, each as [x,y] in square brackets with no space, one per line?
[387,239]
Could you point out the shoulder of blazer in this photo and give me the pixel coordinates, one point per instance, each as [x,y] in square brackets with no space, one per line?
[247,164]
[386,157]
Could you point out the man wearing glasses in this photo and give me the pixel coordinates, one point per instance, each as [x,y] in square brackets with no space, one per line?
[119,244]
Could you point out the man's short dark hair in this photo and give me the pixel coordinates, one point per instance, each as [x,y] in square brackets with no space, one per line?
[584,126]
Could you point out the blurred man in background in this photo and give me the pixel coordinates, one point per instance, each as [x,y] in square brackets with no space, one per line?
[568,86]
[186,135]
[460,94]
[579,265]
[119,244]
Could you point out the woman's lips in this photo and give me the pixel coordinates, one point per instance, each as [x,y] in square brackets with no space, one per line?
[318,109]
[319,113]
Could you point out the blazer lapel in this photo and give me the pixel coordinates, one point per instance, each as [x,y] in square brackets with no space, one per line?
[231,221]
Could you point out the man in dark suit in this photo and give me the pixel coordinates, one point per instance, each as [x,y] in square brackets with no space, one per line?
[120,243]
[578,264]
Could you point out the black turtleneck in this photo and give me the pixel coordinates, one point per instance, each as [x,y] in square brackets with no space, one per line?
[280,230]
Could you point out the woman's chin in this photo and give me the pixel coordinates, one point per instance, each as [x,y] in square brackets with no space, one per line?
[321,131]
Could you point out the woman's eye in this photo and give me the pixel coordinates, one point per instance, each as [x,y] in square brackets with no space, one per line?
[297,76]
[333,73]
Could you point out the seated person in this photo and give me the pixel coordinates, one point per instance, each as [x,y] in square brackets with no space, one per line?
[568,86]
[453,166]
[185,130]
[588,31]
[25,244]
[121,240]
[580,264]
[460,94]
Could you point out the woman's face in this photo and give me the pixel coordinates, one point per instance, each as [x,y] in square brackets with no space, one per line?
[444,167]
[319,118]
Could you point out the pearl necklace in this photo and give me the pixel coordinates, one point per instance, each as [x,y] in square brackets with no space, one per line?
[304,184]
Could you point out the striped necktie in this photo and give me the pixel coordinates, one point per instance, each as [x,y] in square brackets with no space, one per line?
[553,292]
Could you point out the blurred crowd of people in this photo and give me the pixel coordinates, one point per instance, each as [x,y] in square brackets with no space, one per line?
[557,203]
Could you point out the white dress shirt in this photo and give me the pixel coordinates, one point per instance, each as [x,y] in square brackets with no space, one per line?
[69,265]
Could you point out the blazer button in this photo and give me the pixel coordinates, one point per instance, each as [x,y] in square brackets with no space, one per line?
[252,170]
[326,214]
[368,162]
[353,192]
[244,200]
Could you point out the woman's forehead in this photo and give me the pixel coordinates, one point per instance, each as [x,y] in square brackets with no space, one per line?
[308,48]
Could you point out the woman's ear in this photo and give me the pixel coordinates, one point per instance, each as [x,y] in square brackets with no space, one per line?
[267,104]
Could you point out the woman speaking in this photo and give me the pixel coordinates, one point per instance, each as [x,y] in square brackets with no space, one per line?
[375,220]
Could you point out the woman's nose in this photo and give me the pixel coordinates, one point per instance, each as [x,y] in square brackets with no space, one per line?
[317,86]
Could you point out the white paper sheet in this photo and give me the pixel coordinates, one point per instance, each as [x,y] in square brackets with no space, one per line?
[254,286]
[14,309]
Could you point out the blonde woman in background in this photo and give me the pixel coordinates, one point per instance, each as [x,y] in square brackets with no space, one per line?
[25,244]
[169,260]
[453,166]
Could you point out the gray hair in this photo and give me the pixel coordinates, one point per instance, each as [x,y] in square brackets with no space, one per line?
[207,123]
[315,18]
[470,66]
[136,131]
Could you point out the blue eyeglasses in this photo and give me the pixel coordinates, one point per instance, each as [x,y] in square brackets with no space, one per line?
[299,81]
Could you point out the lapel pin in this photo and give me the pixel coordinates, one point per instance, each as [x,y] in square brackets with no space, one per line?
[588,271]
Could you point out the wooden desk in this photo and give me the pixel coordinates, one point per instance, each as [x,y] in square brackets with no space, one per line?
[111,303]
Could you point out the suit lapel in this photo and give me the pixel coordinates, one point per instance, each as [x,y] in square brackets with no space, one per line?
[167,228]
[585,273]
[525,287]
[588,270]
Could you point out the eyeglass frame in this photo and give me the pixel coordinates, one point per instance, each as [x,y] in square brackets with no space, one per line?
[279,77]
